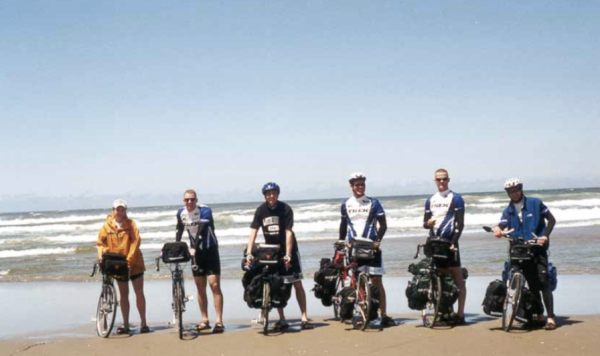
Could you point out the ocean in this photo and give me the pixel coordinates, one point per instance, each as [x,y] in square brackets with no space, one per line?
[61,245]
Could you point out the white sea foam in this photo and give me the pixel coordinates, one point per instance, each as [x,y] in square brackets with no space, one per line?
[6,230]
[35,252]
[575,203]
[44,221]
[72,238]
[4,273]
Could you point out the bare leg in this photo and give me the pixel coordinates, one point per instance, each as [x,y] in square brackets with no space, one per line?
[202,300]
[124,291]
[215,285]
[140,298]
[456,274]
[301,297]
[378,280]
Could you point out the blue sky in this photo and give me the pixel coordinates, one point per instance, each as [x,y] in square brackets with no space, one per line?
[144,99]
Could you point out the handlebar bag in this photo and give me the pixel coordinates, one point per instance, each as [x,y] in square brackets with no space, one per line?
[175,252]
[114,264]
[363,250]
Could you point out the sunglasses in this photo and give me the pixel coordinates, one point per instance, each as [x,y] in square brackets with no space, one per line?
[359,184]
[189,199]
[441,179]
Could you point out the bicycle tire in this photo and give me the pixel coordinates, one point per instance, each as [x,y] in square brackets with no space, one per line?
[362,307]
[512,301]
[106,311]
[178,308]
[431,312]
[265,307]
[336,303]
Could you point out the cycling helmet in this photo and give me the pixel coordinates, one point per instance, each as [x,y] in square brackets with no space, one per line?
[270,186]
[356,176]
[513,183]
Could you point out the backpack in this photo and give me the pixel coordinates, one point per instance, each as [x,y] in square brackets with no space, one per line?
[347,299]
[493,301]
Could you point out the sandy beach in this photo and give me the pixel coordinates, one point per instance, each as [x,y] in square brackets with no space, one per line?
[578,335]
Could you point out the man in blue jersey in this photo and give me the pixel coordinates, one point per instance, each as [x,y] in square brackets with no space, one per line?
[445,219]
[197,222]
[528,217]
[364,217]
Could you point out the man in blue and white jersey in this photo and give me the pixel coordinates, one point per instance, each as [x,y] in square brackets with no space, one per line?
[527,217]
[198,223]
[364,217]
[445,219]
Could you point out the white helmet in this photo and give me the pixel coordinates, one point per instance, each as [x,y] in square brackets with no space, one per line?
[356,176]
[513,183]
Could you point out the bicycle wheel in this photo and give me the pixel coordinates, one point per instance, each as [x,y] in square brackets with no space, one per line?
[178,307]
[265,306]
[106,312]
[362,307]
[336,302]
[434,296]
[512,300]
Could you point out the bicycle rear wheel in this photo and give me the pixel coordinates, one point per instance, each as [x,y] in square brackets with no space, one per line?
[362,307]
[434,296]
[265,306]
[178,307]
[107,310]
[336,302]
[512,301]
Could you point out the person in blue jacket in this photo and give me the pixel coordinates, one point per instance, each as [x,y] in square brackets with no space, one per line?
[530,219]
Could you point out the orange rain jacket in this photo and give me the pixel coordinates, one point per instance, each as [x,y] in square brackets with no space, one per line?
[124,240]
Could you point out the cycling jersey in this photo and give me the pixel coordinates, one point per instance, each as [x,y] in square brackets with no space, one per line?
[360,215]
[527,222]
[443,208]
[191,222]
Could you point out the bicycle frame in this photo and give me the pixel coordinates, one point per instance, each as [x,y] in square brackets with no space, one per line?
[107,304]
[178,293]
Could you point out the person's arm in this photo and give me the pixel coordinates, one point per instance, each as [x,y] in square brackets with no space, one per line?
[343,223]
[251,239]
[549,227]
[427,221]
[179,229]
[459,225]
[289,244]
[102,244]
[503,224]
[382,222]
[134,243]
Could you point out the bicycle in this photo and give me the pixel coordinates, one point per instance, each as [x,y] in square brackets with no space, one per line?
[340,261]
[437,252]
[267,257]
[106,311]
[520,252]
[359,250]
[175,255]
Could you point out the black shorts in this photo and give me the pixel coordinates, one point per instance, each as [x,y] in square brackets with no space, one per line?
[208,262]
[129,278]
[375,266]
[452,261]
[294,274]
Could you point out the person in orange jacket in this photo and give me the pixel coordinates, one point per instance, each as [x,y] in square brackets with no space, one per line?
[119,234]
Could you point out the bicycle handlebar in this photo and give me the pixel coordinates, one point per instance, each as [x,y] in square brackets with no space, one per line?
[157,264]
[94,269]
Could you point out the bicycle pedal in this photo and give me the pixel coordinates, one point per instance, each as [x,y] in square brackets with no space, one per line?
[94,319]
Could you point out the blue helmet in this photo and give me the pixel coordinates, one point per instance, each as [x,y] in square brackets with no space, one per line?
[270,186]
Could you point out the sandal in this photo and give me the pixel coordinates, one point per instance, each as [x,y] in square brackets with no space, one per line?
[306,325]
[281,326]
[204,325]
[386,322]
[218,329]
[550,326]
[144,329]
[459,321]
[121,330]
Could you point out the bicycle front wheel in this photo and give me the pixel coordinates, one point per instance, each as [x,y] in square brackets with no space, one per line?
[512,301]
[265,307]
[362,307]
[336,302]
[178,307]
[106,312]
[434,296]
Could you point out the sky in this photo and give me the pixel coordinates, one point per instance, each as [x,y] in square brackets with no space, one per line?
[143,99]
